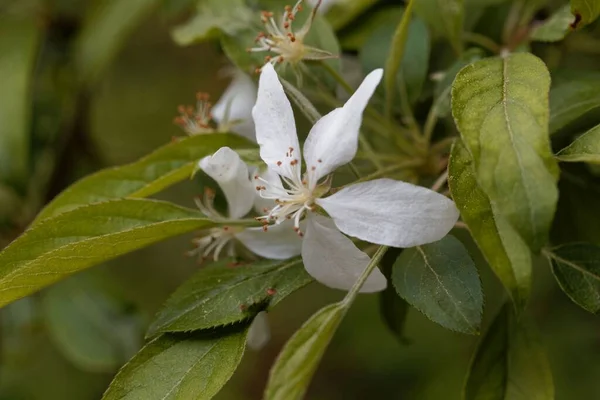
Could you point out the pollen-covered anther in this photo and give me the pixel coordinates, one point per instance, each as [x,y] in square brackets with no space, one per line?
[279,163]
[265,228]
[271,291]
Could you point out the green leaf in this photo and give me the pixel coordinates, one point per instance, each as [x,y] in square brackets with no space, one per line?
[504,250]
[392,307]
[364,27]
[576,267]
[510,363]
[554,28]
[445,17]
[572,99]
[19,39]
[440,280]
[220,295]
[585,11]
[90,327]
[296,364]
[158,170]
[342,12]
[179,366]
[500,106]
[86,236]
[104,33]
[585,148]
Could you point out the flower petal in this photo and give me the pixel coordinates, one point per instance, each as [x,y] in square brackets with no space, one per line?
[275,126]
[394,213]
[332,259]
[261,205]
[259,332]
[235,104]
[333,140]
[279,242]
[231,173]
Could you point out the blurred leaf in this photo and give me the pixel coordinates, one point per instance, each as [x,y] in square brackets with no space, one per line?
[445,17]
[585,11]
[585,148]
[510,363]
[221,294]
[364,27]
[440,280]
[296,364]
[500,106]
[393,308]
[88,326]
[158,170]
[191,366]
[571,99]
[104,33]
[342,12]
[19,40]
[78,239]
[303,104]
[504,250]
[576,267]
[554,28]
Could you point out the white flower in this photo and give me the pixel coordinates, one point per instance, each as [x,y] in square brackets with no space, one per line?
[259,332]
[233,111]
[382,211]
[232,175]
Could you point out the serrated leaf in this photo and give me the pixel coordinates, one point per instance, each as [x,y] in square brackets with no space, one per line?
[571,99]
[586,148]
[296,364]
[151,174]
[504,250]
[221,294]
[445,17]
[585,11]
[86,236]
[510,363]
[576,267]
[500,106]
[179,366]
[440,280]
[554,28]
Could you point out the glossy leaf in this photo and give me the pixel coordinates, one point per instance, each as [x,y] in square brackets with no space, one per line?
[585,11]
[504,250]
[86,236]
[299,359]
[571,99]
[500,106]
[445,17]
[440,280]
[585,148]
[510,363]
[576,267]
[554,28]
[222,294]
[191,366]
[151,174]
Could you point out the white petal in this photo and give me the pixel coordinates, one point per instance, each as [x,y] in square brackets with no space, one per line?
[333,140]
[279,242]
[260,204]
[394,213]
[332,259]
[231,173]
[275,126]
[236,105]
[259,332]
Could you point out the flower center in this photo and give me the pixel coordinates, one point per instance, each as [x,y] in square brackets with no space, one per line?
[195,121]
[213,241]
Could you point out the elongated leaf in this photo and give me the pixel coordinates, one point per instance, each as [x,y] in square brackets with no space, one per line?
[504,250]
[571,99]
[585,11]
[160,169]
[576,267]
[70,242]
[554,28]
[510,364]
[585,148]
[500,106]
[179,366]
[298,361]
[445,17]
[221,295]
[440,280]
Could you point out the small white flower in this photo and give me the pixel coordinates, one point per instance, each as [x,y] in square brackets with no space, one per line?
[381,211]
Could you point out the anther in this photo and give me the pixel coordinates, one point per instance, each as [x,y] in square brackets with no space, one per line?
[271,291]
[265,228]
[279,163]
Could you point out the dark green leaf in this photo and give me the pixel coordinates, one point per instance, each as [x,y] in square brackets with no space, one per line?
[585,11]
[86,236]
[571,99]
[341,14]
[392,307]
[221,295]
[363,28]
[585,148]
[554,28]
[445,17]
[179,366]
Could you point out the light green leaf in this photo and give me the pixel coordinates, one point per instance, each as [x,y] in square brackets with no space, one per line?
[500,106]
[104,33]
[510,363]
[576,267]
[554,28]
[444,17]
[440,280]
[585,11]
[296,364]
[585,148]
[78,239]
[572,99]
[504,250]
[179,366]
[221,295]
[158,170]
[19,39]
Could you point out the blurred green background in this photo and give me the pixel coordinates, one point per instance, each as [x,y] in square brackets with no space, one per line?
[68,341]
